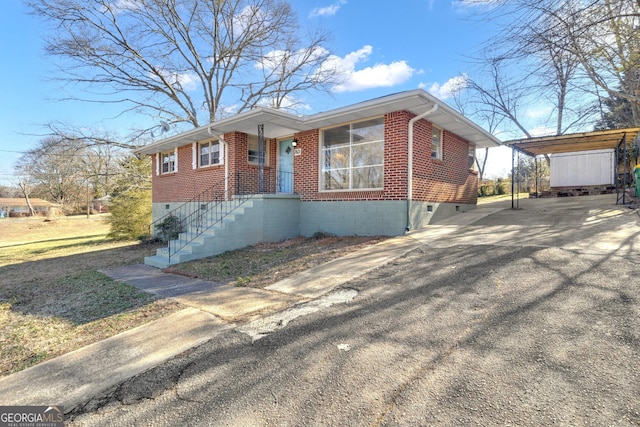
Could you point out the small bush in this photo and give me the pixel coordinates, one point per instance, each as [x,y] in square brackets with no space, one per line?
[169,228]
[321,235]
[130,215]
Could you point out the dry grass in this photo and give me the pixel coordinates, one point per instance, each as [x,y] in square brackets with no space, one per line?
[501,197]
[52,300]
[266,263]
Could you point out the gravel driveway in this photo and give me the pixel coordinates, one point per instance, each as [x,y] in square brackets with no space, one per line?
[526,317]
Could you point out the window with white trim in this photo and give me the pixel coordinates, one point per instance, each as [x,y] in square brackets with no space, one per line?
[168,161]
[472,157]
[436,143]
[352,156]
[253,152]
[209,153]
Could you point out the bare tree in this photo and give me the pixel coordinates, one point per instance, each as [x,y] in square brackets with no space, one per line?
[596,40]
[498,97]
[69,172]
[180,60]
[467,105]
[25,183]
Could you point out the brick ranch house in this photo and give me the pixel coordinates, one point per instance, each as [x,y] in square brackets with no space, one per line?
[380,167]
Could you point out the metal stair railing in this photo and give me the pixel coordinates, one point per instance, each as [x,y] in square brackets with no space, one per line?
[209,209]
[193,218]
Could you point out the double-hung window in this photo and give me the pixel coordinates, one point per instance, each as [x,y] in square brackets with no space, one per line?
[253,151]
[436,143]
[168,161]
[352,156]
[209,153]
[472,157]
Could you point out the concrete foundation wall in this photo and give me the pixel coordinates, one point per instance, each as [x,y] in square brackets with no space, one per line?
[266,218]
[280,217]
[425,213]
[272,218]
[349,218]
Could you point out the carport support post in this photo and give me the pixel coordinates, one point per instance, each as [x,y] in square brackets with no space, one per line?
[261,159]
[622,144]
[536,160]
[513,168]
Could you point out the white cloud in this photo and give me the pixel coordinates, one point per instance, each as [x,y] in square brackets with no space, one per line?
[120,6]
[225,111]
[288,103]
[327,10]
[187,81]
[542,131]
[249,16]
[293,60]
[379,75]
[538,112]
[473,5]
[449,88]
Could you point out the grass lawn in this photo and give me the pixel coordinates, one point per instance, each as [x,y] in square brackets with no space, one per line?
[52,299]
[265,263]
[501,197]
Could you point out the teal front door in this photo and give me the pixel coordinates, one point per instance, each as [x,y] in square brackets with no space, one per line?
[285,166]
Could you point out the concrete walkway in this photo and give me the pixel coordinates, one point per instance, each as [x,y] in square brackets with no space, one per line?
[74,378]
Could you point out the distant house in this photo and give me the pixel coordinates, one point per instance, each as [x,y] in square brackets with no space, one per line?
[16,207]
[101,204]
[379,167]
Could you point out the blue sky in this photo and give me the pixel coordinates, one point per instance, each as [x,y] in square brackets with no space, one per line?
[384,48]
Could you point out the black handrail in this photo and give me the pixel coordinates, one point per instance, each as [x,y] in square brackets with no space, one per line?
[209,208]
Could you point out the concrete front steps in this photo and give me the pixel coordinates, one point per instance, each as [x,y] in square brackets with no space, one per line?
[234,231]
[261,218]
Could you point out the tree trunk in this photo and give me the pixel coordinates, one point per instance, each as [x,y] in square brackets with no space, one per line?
[32,211]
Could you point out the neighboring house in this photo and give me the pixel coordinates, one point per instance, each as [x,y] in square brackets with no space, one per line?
[379,167]
[16,207]
[101,204]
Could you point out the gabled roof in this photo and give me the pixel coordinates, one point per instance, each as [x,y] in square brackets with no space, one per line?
[278,124]
[586,141]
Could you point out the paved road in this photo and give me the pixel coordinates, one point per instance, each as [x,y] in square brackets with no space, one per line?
[527,318]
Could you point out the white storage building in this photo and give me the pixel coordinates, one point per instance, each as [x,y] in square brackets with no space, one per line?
[585,168]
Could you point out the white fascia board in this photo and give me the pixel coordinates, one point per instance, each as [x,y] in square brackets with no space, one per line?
[279,123]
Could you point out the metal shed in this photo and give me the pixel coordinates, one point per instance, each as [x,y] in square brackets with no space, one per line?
[615,140]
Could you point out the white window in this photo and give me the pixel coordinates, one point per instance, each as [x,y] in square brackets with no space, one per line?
[253,152]
[352,156]
[436,143]
[209,153]
[168,161]
[472,157]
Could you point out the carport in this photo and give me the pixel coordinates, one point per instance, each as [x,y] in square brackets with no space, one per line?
[616,139]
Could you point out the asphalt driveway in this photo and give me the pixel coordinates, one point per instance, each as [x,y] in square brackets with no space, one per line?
[525,317]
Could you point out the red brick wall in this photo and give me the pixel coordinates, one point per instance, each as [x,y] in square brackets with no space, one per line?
[305,165]
[187,183]
[239,163]
[448,180]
